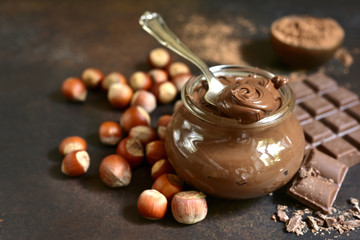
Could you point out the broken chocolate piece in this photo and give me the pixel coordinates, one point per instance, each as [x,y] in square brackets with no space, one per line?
[318,182]
[327,166]
[296,225]
[315,223]
[315,192]
[283,217]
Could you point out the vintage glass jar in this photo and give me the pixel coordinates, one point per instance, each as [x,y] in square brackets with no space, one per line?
[223,158]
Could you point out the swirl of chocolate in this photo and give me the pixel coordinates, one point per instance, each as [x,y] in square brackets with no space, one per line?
[249,99]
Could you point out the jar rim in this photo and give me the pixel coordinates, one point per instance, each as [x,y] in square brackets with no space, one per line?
[236,70]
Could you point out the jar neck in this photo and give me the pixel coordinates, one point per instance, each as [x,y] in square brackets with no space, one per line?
[230,70]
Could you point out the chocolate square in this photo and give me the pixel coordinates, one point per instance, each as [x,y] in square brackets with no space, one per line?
[321,83]
[337,148]
[354,138]
[302,115]
[319,107]
[341,122]
[342,97]
[301,91]
[315,132]
[355,111]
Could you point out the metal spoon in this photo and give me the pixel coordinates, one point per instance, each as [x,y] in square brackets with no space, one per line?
[155,25]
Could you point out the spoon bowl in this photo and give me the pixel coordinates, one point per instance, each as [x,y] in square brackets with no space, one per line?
[155,25]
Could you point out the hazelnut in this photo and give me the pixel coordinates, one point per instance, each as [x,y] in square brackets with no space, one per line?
[115,171]
[152,204]
[140,80]
[158,75]
[75,163]
[145,99]
[165,92]
[70,144]
[180,79]
[161,167]
[145,134]
[110,132]
[134,116]
[155,151]
[176,68]
[168,184]
[132,150]
[92,77]
[113,77]
[159,58]
[162,125]
[74,89]
[189,207]
[119,95]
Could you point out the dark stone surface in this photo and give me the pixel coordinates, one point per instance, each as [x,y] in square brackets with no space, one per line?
[44,42]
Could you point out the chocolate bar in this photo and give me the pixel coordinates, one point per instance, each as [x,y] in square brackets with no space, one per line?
[318,181]
[330,117]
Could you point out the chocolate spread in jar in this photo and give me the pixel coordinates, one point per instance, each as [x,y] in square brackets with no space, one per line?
[230,160]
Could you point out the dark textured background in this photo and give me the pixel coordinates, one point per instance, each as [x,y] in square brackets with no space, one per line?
[44,42]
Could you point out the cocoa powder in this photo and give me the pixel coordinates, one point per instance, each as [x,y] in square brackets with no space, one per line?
[308,32]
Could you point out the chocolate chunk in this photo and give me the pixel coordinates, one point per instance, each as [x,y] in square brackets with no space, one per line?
[296,225]
[318,181]
[319,107]
[301,91]
[354,201]
[342,97]
[352,224]
[315,192]
[316,131]
[341,122]
[321,83]
[315,223]
[355,112]
[330,221]
[283,217]
[299,212]
[281,207]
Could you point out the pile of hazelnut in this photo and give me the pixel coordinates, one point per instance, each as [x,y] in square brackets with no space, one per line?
[135,140]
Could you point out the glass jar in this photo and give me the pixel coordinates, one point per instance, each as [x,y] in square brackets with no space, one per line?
[221,157]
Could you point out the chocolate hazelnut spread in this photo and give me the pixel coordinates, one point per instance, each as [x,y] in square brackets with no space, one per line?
[250,99]
[217,154]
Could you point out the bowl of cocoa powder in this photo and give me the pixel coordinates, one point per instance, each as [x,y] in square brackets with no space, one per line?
[303,41]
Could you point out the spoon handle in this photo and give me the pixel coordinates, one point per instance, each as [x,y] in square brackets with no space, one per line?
[155,25]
